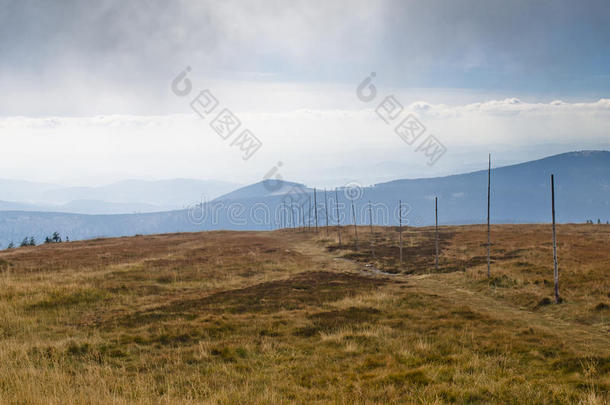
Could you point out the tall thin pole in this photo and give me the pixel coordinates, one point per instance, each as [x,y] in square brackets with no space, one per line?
[302,217]
[283,216]
[309,217]
[288,221]
[326,209]
[436,230]
[315,207]
[338,221]
[556,273]
[355,227]
[309,214]
[371,224]
[488,226]
[400,229]
[294,224]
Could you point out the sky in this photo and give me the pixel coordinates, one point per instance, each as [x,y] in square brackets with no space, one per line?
[86,87]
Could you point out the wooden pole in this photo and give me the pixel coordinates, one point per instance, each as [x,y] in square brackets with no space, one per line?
[326,209]
[302,218]
[372,233]
[338,221]
[355,227]
[400,229]
[436,231]
[488,226]
[282,217]
[315,207]
[294,225]
[556,272]
[309,215]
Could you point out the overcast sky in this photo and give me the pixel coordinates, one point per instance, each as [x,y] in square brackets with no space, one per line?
[85,87]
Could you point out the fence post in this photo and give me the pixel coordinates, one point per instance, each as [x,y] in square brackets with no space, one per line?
[355,227]
[372,233]
[436,231]
[338,220]
[326,209]
[400,229]
[556,270]
[488,226]
[315,207]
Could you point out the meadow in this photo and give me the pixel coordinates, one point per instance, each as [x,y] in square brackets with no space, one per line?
[292,316]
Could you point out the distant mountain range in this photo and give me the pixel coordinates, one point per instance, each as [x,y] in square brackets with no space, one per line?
[124,197]
[520,194]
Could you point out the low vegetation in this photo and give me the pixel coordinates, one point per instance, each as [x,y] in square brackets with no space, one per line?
[290,316]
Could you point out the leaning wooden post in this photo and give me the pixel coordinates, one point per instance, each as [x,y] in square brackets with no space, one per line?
[315,207]
[436,231]
[371,224]
[355,227]
[488,226]
[556,272]
[400,229]
[338,220]
[326,209]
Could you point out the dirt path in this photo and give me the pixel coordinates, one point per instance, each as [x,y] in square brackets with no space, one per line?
[583,339]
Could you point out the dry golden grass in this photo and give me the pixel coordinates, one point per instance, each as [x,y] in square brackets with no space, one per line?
[289,317]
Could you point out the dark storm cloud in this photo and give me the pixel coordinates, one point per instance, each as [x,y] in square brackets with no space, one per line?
[129,49]
[473,42]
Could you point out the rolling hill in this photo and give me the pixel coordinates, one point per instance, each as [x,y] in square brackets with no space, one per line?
[520,194]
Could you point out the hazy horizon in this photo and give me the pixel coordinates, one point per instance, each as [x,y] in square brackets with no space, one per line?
[313,183]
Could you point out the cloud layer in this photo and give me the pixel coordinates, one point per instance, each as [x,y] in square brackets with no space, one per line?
[316,146]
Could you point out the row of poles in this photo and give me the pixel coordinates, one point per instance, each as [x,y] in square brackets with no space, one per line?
[301,213]
[284,221]
[436,232]
[555,263]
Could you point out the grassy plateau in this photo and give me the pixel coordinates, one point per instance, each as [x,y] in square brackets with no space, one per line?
[292,316]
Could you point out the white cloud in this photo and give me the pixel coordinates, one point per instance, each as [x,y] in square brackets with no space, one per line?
[312,143]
